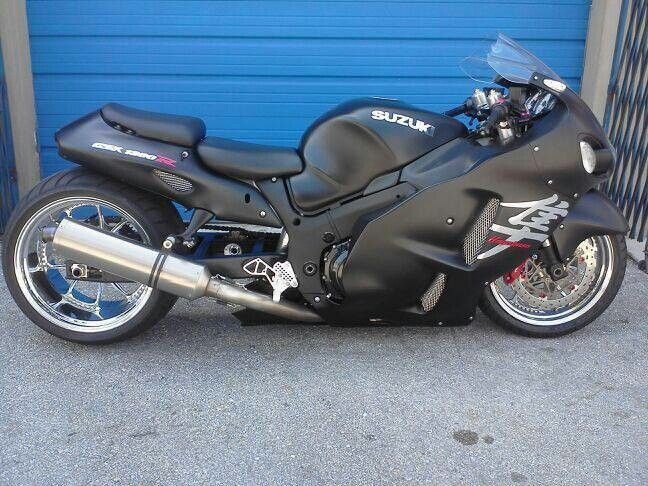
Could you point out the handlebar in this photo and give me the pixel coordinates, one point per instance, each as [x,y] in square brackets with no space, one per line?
[499,112]
[459,110]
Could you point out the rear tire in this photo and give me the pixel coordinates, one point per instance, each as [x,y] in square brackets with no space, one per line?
[155,217]
[565,321]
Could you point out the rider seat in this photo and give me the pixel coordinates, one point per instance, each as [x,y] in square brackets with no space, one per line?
[248,161]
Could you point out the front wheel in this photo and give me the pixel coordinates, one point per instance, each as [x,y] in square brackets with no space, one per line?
[529,302]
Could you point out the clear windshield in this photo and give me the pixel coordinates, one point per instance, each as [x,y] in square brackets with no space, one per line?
[508,59]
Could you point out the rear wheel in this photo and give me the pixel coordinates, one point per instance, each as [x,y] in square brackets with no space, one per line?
[530,302]
[42,283]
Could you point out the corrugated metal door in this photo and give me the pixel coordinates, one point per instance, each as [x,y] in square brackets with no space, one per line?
[626,117]
[262,71]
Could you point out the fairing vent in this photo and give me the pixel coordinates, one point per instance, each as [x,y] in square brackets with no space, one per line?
[432,295]
[176,183]
[476,237]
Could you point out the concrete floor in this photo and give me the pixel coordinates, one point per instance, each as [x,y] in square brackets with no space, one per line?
[201,400]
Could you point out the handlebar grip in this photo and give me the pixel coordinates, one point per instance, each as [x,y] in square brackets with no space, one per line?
[459,110]
[498,113]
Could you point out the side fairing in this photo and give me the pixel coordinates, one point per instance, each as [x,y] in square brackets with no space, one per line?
[430,233]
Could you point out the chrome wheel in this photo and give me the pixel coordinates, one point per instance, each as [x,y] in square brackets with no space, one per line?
[77,305]
[533,297]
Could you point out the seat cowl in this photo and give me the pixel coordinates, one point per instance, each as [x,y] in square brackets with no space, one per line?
[176,129]
[248,161]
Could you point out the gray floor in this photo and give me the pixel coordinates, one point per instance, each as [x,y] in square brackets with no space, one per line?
[200,399]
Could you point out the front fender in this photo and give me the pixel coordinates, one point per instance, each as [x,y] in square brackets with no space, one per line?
[593,214]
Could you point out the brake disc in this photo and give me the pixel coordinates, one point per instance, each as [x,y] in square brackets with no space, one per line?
[536,291]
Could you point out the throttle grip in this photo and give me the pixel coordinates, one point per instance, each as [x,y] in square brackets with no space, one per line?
[498,113]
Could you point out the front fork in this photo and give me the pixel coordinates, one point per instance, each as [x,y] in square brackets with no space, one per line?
[549,255]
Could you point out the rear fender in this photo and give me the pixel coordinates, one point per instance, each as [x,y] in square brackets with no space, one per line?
[593,215]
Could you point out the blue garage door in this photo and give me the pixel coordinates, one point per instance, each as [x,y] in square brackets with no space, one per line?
[262,71]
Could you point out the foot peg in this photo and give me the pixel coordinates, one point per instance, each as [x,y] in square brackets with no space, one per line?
[187,238]
[280,275]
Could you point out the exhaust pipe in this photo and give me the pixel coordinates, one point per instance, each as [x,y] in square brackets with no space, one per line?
[133,261]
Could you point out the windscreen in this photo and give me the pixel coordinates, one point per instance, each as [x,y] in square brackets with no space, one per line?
[509,60]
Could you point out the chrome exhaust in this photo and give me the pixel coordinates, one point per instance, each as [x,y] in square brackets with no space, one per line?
[133,261]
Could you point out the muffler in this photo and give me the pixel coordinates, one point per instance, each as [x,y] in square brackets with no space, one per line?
[133,261]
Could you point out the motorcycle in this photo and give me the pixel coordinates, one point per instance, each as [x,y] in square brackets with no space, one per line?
[385,213]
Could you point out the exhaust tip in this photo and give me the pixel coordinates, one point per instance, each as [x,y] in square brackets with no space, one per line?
[48,233]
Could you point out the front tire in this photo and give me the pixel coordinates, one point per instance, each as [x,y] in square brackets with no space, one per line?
[533,305]
[39,281]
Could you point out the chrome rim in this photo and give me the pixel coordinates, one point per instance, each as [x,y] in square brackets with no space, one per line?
[535,298]
[77,305]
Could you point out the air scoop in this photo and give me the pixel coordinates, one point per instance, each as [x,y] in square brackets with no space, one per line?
[120,256]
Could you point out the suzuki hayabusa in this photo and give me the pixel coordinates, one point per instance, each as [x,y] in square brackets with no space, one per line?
[385,213]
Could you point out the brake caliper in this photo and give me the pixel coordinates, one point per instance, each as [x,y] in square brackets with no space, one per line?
[513,275]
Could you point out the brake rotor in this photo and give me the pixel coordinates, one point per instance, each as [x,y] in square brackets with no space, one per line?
[536,291]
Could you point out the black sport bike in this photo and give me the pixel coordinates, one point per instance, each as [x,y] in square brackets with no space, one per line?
[385,213]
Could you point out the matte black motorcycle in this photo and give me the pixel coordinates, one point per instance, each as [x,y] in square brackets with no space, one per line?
[385,213]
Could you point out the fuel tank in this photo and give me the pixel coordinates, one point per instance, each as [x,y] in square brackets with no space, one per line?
[349,147]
